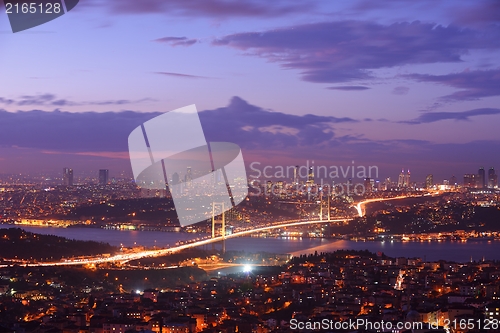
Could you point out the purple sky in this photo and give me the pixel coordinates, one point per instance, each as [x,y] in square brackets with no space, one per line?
[388,83]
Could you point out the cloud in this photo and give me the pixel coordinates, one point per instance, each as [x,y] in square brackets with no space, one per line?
[96,140]
[177,41]
[51,100]
[211,8]
[255,128]
[345,51]
[349,88]
[474,84]
[400,90]
[84,132]
[6,101]
[478,12]
[105,154]
[36,99]
[482,12]
[185,76]
[70,132]
[120,102]
[431,117]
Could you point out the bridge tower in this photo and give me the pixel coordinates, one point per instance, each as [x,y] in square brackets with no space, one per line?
[223,222]
[329,217]
[321,206]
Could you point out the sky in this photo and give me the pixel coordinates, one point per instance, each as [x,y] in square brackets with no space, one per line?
[393,84]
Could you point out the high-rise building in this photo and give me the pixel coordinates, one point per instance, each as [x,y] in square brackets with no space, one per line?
[176,180]
[68,177]
[368,185]
[103,176]
[407,179]
[404,179]
[492,178]
[481,181]
[388,184]
[453,181]
[470,180]
[401,178]
[296,175]
[310,176]
[269,187]
[188,177]
[429,181]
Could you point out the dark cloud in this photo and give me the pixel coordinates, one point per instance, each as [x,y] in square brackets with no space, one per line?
[120,102]
[253,127]
[344,51]
[51,100]
[33,140]
[475,84]
[73,132]
[400,90]
[185,76]
[349,88]
[431,117]
[6,101]
[36,100]
[177,41]
[481,12]
[211,8]
[477,12]
[239,122]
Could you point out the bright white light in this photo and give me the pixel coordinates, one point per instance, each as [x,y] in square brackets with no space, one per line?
[247,268]
[137,291]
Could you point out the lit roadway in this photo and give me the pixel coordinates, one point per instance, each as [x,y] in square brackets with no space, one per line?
[161,252]
[360,206]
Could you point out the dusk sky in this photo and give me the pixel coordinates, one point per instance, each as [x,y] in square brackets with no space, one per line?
[396,84]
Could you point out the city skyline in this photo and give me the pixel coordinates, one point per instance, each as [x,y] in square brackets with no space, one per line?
[294,177]
[376,83]
[251,166]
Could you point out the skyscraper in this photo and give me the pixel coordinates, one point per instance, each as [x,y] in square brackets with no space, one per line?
[481,182]
[407,179]
[296,175]
[176,179]
[368,185]
[388,184]
[68,177]
[470,180]
[492,178]
[103,176]
[429,181]
[310,176]
[188,177]
[401,179]
[453,181]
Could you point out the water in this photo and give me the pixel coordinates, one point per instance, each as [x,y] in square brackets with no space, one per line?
[452,251]
[114,237]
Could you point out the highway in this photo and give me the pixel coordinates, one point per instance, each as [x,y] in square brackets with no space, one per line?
[361,211]
[161,252]
[360,206]
[125,257]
